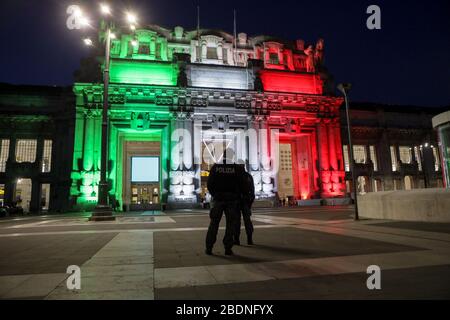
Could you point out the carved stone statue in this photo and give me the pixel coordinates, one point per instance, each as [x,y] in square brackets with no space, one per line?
[318,54]
[310,59]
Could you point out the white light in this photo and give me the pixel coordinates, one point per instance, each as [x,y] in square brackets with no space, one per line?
[19,180]
[134,43]
[131,18]
[132,27]
[77,13]
[426,145]
[84,21]
[112,35]
[105,9]
[87,42]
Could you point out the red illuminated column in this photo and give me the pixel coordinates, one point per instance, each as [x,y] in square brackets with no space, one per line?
[340,158]
[332,147]
[324,159]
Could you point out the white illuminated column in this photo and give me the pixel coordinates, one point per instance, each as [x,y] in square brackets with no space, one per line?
[187,144]
[175,142]
[253,145]
[264,151]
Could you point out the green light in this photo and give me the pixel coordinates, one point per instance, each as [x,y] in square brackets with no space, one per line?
[140,72]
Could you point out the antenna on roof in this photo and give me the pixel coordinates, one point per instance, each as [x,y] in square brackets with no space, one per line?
[199,51]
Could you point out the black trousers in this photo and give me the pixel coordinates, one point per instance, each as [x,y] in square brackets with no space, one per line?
[246,214]
[231,210]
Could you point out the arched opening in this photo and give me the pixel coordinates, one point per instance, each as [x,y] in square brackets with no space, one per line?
[408,183]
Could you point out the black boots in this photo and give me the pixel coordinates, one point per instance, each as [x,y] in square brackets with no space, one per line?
[208,251]
[228,252]
[250,241]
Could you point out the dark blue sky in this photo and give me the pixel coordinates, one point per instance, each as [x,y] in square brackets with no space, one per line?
[406,62]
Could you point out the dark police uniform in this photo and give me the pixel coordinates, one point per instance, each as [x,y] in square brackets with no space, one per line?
[224,184]
[247,198]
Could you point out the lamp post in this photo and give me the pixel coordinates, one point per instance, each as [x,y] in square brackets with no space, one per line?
[344,88]
[103,210]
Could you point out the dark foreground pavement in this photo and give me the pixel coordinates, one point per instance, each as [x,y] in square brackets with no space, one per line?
[301,253]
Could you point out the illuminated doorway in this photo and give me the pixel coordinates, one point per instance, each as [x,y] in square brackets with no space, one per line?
[22,194]
[45,197]
[408,183]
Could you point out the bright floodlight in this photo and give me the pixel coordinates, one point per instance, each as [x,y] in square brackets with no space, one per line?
[131,18]
[134,43]
[87,42]
[132,27]
[105,9]
[77,13]
[112,35]
[84,21]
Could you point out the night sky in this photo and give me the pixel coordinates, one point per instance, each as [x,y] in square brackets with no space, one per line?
[406,62]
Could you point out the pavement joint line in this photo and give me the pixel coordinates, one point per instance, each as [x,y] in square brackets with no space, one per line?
[425,235]
[6,235]
[87,223]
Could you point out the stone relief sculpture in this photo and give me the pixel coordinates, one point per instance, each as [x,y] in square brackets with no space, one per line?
[310,59]
[318,53]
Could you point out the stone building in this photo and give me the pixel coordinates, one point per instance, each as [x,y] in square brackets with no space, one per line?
[395,147]
[36,144]
[177,99]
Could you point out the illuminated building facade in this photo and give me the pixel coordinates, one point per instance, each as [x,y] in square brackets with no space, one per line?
[184,96]
[177,100]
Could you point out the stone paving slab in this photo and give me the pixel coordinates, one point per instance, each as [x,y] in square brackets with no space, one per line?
[420,226]
[174,249]
[429,282]
[105,276]
[48,254]
[29,286]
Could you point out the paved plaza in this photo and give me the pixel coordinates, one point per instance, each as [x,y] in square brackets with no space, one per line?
[299,253]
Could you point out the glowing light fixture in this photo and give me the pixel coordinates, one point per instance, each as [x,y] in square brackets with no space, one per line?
[105,9]
[131,18]
[87,42]
[84,21]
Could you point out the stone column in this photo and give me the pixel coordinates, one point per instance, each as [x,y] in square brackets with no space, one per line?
[264,145]
[332,147]
[187,144]
[10,183]
[253,145]
[324,165]
[35,195]
[204,49]
[88,152]
[175,145]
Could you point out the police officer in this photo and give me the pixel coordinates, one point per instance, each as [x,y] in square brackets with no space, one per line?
[247,198]
[224,185]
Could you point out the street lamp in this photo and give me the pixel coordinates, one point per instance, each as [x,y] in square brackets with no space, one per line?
[103,210]
[344,88]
